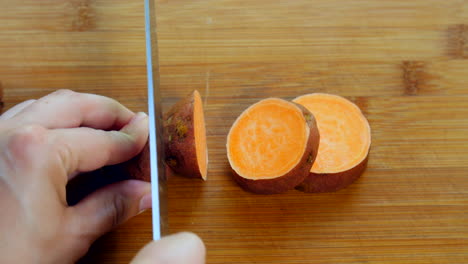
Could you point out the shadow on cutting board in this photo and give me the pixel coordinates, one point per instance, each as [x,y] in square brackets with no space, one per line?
[86,183]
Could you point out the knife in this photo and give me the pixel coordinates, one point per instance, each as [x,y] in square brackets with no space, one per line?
[156,149]
[149,164]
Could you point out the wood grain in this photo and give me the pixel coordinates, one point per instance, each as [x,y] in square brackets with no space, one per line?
[1,98]
[403,62]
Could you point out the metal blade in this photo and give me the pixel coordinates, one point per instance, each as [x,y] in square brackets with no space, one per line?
[158,177]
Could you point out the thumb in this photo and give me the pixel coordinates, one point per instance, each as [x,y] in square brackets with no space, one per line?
[182,248]
[111,206]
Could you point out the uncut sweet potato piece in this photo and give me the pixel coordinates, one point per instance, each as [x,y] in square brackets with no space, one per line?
[272,145]
[185,138]
[345,139]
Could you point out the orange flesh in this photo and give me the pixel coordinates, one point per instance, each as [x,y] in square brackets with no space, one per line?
[344,132]
[200,135]
[268,139]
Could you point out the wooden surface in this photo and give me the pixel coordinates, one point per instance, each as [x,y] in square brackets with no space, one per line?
[405,63]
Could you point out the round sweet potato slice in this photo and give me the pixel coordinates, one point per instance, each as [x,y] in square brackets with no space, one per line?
[345,139]
[185,138]
[272,145]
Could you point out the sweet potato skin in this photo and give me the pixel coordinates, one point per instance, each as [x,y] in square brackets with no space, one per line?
[296,175]
[178,141]
[332,182]
[138,168]
[179,138]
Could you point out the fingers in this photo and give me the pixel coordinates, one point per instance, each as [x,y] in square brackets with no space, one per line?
[67,109]
[109,207]
[86,149]
[16,109]
[175,249]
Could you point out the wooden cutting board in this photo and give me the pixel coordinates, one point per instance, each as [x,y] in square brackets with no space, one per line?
[405,63]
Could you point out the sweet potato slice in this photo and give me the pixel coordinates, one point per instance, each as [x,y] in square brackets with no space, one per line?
[185,138]
[345,139]
[272,145]
[138,168]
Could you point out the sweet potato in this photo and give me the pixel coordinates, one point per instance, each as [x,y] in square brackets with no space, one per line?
[272,145]
[185,138]
[138,168]
[345,139]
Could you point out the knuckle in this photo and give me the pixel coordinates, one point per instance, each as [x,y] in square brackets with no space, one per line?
[66,156]
[30,132]
[23,139]
[118,210]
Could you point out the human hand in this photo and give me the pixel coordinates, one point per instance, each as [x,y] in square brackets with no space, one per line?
[45,143]
[182,248]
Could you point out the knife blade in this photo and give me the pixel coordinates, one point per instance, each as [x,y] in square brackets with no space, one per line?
[156,149]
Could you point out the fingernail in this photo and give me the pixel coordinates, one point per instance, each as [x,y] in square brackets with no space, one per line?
[138,117]
[136,124]
[145,202]
[142,211]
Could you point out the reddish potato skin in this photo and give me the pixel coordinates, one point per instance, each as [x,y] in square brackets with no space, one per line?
[138,168]
[332,182]
[179,145]
[296,175]
[179,138]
